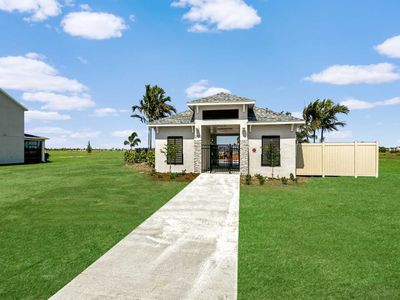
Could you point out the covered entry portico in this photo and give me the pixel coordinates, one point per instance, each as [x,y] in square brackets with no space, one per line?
[220,148]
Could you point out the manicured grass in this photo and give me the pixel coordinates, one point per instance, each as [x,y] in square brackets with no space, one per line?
[57,218]
[330,238]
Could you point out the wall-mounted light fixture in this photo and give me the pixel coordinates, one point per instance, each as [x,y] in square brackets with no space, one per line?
[244,132]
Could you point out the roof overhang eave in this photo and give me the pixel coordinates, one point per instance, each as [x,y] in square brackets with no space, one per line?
[219,104]
[39,138]
[277,123]
[170,125]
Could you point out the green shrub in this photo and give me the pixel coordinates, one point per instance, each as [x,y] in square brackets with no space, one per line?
[151,158]
[284,180]
[261,179]
[46,157]
[293,178]
[248,179]
[173,176]
[137,157]
[129,156]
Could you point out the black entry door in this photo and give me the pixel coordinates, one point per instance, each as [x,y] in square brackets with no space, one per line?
[224,158]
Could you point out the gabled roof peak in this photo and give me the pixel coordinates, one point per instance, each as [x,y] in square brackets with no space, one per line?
[221,98]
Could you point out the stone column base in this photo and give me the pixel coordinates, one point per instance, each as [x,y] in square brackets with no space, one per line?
[244,157]
[197,156]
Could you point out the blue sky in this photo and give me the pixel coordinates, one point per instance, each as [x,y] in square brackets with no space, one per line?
[79,66]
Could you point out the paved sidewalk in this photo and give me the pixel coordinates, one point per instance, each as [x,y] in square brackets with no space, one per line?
[186,250]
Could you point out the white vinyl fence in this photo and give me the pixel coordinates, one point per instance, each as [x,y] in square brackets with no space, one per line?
[338,159]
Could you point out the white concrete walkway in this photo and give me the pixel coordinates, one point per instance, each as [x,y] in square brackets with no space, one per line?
[186,250]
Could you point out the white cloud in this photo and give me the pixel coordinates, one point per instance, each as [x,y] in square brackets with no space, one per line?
[82,60]
[54,101]
[122,133]
[39,9]
[105,112]
[61,132]
[34,55]
[132,18]
[69,3]
[85,7]
[354,104]
[26,73]
[209,15]
[45,116]
[64,138]
[93,25]
[343,134]
[84,134]
[390,47]
[202,89]
[354,74]
[49,130]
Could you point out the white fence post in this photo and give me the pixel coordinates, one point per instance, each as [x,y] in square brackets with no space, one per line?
[377,160]
[323,159]
[355,159]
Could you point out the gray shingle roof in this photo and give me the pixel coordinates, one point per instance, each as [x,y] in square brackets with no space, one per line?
[222,98]
[257,114]
[185,117]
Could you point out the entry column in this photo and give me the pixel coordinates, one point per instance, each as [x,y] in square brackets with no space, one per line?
[197,149]
[244,150]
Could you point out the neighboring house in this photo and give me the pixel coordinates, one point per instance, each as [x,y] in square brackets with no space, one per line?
[260,141]
[15,146]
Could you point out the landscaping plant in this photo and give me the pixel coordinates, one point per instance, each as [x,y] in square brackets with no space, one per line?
[293,178]
[261,179]
[170,151]
[132,140]
[272,155]
[248,179]
[151,158]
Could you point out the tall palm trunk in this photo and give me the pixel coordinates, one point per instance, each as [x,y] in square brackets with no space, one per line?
[322,134]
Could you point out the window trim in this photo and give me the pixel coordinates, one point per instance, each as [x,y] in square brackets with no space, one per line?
[262,152]
[175,138]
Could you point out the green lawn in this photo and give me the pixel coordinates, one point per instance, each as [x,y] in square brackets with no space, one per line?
[57,218]
[330,238]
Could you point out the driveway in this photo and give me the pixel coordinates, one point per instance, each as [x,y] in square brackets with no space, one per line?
[186,250]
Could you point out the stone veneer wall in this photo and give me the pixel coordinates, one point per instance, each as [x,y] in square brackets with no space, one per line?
[197,156]
[244,157]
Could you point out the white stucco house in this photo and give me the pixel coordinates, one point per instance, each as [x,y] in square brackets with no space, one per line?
[16,146]
[228,133]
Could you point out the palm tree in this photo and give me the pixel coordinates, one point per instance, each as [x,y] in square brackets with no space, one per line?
[312,116]
[328,116]
[132,140]
[153,106]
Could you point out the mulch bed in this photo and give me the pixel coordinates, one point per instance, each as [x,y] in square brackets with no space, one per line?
[146,169]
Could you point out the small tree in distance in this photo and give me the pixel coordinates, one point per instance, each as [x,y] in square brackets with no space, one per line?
[132,140]
[89,148]
[170,151]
